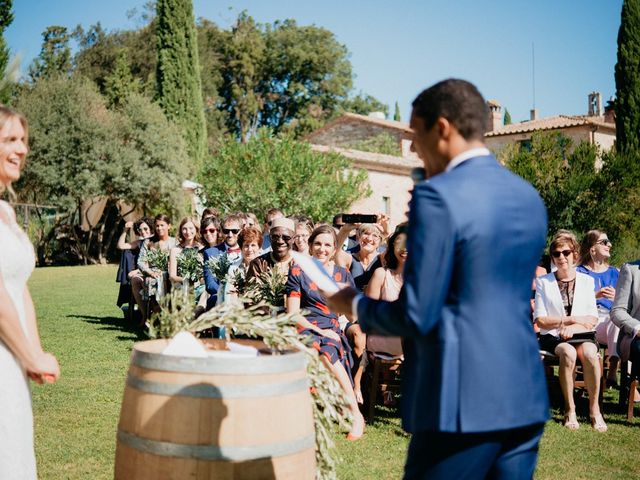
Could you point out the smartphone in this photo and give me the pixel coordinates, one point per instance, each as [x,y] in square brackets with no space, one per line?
[359,218]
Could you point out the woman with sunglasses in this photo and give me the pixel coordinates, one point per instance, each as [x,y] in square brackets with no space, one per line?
[594,261]
[321,324]
[566,312]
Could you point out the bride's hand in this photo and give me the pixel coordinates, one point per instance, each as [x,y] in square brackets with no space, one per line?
[43,368]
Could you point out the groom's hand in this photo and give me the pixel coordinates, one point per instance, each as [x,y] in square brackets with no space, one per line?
[341,301]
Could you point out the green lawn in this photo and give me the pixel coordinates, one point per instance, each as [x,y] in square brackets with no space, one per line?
[76,418]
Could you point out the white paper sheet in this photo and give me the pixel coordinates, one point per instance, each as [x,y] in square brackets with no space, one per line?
[316,273]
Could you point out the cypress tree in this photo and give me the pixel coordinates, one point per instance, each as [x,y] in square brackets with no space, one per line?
[6,17]
[178,73]
[628,77]
[507,117]
[396,113]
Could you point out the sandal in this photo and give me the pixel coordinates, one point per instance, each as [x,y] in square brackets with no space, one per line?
[598,424]
[571,421]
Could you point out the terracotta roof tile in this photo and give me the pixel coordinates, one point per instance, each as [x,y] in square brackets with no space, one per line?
[551,123]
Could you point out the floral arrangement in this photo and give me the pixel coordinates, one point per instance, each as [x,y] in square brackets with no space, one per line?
[190,264]
[219,267]
[158,259]
[268,287]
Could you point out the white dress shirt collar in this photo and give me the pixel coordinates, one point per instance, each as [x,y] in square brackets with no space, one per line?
[466,155]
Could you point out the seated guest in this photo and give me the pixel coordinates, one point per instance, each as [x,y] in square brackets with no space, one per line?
[271,215]
[320,323]
[361,265]
[350,239]
[209,227]
[594,261]
[385,284]
[188,239]
[252,221]
[129,276]
[249,240]
[231,227]
[301,237]
[565,306]
[211,212]
[625,314]
[281,238]
[154,278]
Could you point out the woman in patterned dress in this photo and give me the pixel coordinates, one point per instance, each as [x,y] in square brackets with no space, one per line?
[21,354]
[320,323]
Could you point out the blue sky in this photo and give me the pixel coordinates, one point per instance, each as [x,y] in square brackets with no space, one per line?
[400,47]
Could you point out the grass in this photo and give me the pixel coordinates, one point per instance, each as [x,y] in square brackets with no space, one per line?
[76,419]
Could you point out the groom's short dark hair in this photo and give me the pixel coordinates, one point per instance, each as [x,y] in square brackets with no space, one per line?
[458,101]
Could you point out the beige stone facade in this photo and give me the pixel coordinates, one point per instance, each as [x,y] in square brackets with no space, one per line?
[390,176]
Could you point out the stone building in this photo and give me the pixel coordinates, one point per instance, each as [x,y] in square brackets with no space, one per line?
[597,127]
[390,175]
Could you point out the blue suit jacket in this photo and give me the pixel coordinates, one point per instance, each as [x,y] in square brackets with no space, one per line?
[472,364]
[210,282]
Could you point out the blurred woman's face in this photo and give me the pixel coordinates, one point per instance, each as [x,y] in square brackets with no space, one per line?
[323,247]
[250,251]
[210,235]
[602,247]
[369,241]
[144,230]
[188,231]
[400,247]
[13,150]
[301,240]
[162,229]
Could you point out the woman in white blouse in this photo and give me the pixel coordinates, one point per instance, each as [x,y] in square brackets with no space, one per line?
[566,312]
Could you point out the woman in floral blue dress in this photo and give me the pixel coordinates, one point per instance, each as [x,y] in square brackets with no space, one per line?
[322,324]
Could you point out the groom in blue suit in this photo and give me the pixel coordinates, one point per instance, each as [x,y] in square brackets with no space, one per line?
[474,393]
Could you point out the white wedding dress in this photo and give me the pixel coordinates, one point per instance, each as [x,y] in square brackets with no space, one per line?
[17,260]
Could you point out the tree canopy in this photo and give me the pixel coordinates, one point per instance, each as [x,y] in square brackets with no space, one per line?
[269,171]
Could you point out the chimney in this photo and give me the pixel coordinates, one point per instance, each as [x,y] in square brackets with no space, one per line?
[595,104]
[495,115]
[610,111]
[533,115]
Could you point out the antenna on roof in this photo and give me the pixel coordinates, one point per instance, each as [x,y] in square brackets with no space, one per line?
[533,73]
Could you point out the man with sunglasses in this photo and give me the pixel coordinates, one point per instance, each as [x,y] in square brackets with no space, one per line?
[272,214]
[474,392]
[231,227]
[281,236]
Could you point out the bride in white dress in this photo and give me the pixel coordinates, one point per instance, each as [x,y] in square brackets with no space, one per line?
[21,355]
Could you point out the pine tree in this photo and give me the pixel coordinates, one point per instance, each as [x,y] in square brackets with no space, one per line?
[178,73]
[119,84]
[627,76]
[507,117]
[396,113]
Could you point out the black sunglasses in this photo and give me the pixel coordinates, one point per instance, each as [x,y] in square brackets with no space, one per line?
[227,231]
[285,238]
[605,241]
[564,253]
[210,230]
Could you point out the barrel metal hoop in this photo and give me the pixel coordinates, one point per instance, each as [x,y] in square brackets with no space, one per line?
[202,390]
[215,452]
[260,365]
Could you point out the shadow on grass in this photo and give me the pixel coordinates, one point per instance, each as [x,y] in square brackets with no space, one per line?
[115,324]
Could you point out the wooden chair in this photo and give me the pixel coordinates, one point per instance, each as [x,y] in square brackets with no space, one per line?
[381,375]
[628,386]
[550,360]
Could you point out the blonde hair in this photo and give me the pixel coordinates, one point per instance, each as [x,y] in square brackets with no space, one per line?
[6,114]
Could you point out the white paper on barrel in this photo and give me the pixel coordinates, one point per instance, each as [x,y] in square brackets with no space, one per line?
[315,272]
[184,344]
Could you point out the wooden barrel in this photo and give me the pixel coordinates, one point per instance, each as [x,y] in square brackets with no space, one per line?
[215,418]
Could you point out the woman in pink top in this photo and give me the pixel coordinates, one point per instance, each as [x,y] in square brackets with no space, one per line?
[385,284]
